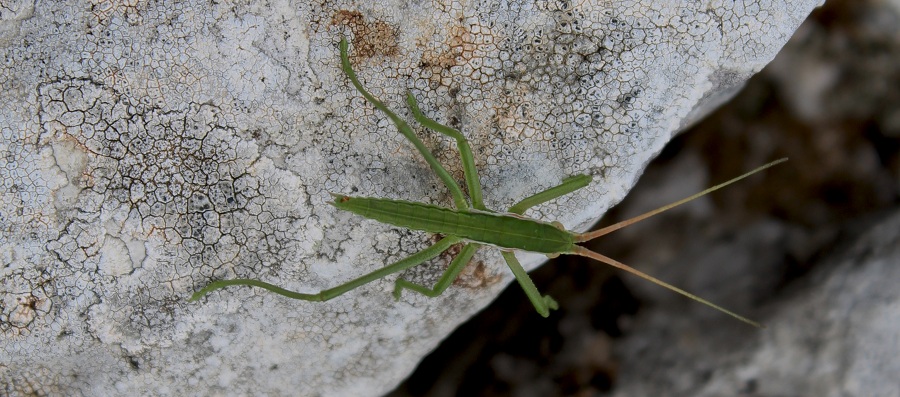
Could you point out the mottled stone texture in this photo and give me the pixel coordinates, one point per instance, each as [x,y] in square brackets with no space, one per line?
[150,147]
[792,247]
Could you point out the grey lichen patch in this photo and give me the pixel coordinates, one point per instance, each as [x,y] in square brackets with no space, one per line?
[71,158]
[176,177]
[114,258]
[151,147]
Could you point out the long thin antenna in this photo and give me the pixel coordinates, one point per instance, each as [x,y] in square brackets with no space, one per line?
[581,251]
[580,238]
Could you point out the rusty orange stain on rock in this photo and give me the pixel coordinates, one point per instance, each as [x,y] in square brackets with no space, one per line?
[369,38]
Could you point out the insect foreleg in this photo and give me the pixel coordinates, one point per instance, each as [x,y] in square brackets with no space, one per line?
[456,266]
[403,264]
[542,303]
[404,128]
[567,186]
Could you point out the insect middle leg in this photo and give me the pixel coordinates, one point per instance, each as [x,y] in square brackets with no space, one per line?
[404,128]
[456,266]
[462,144]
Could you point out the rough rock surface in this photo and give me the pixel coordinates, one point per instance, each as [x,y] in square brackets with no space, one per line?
[152,147]
[834,334]
[832,330]
[828,102]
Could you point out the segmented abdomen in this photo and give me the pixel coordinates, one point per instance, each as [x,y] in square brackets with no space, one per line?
[501,230]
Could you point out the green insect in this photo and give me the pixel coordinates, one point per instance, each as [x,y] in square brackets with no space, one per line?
[473,225]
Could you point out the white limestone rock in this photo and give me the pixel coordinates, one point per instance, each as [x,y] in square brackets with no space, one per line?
[151,147]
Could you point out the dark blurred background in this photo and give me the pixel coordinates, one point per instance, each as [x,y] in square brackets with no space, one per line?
[830,102]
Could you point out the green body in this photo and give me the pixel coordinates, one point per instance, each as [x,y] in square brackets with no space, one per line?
[473,226]
[500,230]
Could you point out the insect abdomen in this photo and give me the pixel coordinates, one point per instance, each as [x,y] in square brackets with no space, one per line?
[489,228]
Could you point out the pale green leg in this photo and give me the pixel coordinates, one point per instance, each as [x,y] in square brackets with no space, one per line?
[458,197]
[542,303]
[327,294]
[474,186]
[465,152]
[567,186]
[456,266]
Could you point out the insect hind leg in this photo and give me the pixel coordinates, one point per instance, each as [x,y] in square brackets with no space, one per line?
[404,128]
[328,294]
